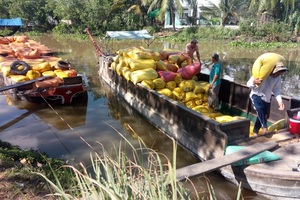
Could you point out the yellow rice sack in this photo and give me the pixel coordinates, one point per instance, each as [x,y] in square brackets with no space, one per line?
[144,74]
[166,92]
[200,109]
[164,54]
[178,93]
[178,79]
[5,70]
[33,74]
[144,53]
[189,96]
[60,74]
[265,63]
[159,83]
[199,88]
[224,118]
[148,83]
[171,85]
[198,101]
[161,65]
[187,85]
[49,73]
[142,64]
[190,104]
[19,78]
[42,67]
[173,58]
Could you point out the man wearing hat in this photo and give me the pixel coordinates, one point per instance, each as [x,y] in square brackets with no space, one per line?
[214,82]
[188,54]
[261,96]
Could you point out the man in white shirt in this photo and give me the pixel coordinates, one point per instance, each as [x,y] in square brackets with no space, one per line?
[261,93]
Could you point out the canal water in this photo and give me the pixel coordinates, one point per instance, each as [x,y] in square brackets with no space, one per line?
[75,132]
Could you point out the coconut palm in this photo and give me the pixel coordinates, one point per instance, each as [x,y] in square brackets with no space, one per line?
[164,6]
[226,10]
[276,7]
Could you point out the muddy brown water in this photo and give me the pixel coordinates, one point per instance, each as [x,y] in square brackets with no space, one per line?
[103,119]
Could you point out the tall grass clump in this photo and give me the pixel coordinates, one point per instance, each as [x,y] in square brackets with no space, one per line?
[144,176]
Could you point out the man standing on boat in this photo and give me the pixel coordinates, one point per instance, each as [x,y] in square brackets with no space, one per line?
[261,95]
[214,82]
[188,54]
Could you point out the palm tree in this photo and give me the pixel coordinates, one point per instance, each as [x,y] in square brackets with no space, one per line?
[164,6]
[276,7]
[194,6]
[226,10]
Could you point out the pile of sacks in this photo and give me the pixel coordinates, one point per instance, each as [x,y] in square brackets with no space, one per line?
[20,48]
[159,71]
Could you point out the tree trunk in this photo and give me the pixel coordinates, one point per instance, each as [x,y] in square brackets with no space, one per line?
[172,18]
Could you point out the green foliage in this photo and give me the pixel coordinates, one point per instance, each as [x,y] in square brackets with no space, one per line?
[103,15]
[271,31]
[19,165]
[216,33]
[261,44]
[116,176]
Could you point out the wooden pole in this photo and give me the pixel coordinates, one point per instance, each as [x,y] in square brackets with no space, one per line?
[98,50]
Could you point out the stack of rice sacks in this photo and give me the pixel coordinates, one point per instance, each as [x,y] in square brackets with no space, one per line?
[35,54]
[159,71]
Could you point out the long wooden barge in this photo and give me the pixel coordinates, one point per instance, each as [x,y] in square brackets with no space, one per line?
[208,139]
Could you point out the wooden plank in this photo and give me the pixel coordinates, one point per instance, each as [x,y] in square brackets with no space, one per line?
[23,83]
[216,163]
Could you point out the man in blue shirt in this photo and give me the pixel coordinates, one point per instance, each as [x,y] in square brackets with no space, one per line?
[215,83]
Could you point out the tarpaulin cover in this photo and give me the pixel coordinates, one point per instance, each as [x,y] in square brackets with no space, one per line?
[143,34]
[11,22]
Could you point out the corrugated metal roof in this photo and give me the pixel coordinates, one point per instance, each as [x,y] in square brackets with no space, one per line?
[142,34]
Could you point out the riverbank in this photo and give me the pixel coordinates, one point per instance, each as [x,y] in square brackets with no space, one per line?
[16,178]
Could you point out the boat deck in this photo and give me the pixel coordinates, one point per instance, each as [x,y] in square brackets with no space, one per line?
[282,175]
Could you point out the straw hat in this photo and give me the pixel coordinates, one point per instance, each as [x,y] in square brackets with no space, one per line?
[279,67]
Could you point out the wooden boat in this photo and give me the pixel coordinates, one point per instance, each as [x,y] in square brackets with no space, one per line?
[37,62]
[207,139]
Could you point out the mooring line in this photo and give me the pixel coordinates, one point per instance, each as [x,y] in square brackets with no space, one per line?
[68,124]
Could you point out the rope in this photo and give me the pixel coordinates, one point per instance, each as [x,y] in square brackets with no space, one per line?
[70,127]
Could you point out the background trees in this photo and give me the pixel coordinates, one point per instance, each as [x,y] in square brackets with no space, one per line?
[71,16]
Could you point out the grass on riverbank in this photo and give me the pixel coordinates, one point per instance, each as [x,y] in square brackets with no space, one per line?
[16,178]
[113,175]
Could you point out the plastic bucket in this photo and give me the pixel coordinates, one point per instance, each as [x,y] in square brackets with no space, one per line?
[294,126]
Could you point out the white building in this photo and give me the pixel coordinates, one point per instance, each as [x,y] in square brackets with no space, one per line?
[181,20]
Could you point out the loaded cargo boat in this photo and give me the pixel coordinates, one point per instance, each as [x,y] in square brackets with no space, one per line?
[30,72]
[208,134]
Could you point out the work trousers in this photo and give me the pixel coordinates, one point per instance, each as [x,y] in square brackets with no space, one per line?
[262,109]
[213,97]
[184,57]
